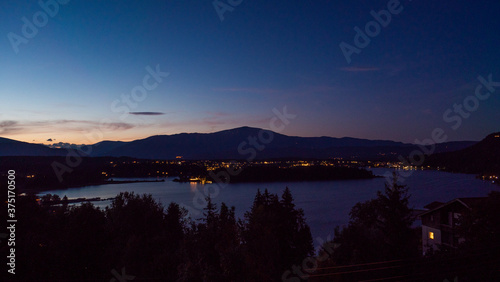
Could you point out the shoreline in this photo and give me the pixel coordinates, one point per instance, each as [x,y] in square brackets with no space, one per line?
[38,191]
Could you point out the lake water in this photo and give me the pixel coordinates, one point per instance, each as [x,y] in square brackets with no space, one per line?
[326,203]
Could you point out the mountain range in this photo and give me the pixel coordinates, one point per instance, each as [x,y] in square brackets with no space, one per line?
[482,157]
[239,144]
[9,147]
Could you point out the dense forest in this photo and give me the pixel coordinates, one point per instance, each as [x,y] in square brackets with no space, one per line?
[136,238]
[153,243]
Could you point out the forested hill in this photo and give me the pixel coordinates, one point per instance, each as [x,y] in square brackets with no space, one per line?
[483,157]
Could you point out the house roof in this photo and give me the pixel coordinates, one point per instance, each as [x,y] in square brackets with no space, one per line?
[433,205]
[470,202]
[466,202]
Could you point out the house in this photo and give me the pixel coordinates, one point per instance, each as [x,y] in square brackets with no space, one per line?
[439,222]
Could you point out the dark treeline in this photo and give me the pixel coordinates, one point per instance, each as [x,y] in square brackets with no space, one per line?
[35,174]
[269,173]
[153,243]
[88,170]
[63,172]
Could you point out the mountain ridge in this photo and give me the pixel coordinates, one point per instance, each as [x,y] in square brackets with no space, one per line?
[10,147]
[237,143]
[482,157]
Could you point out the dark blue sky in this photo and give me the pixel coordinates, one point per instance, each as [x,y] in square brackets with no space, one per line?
[67,80]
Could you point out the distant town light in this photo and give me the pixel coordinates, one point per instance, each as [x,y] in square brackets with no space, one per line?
[431,235]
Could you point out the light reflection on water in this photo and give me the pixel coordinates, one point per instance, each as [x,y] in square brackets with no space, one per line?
[326,203]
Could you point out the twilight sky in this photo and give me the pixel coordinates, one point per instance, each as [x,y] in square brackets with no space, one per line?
[84,73]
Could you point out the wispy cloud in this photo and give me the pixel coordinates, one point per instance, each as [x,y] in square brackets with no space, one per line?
[427,111]
[14,127]
[7,123]
[9,126]
[246,90]
[77,124]
[218,114]
[359,69]
[147,113]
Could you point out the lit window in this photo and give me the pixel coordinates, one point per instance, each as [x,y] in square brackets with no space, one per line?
[431,235]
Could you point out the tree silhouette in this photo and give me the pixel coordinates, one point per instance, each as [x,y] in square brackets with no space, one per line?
[136,228]
[61,243]
[378,230]
[214,252]
[275,236]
